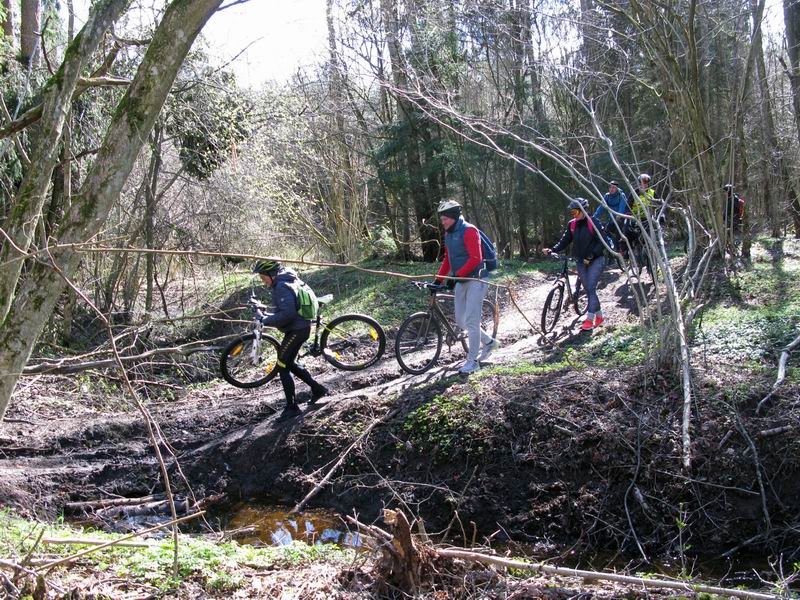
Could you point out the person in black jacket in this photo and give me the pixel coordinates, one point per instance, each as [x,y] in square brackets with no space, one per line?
[285,317]
[584,232]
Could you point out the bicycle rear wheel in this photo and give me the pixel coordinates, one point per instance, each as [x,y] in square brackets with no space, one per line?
[418,343]
[245,364]
[580,300]
[552,308]
[353,342]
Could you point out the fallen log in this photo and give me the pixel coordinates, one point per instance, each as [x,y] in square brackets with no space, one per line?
[409,564]
[106,502]
[640,582]
[63,366]
[92,542]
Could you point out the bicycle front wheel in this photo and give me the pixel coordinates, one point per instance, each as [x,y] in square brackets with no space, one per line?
[247,363]
[353,342]
[418,343]
[552,308]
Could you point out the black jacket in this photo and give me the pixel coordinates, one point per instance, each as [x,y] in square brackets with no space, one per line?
[585,244]
[285,317]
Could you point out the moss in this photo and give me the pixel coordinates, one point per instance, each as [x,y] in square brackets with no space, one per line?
[450,425]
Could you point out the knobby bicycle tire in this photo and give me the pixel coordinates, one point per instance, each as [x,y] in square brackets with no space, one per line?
[581,302]
[237,365]
[552,308]
[353,342]
[418,343]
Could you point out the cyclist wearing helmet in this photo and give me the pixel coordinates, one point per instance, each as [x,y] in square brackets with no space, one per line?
[463,257]
[284,284]
[587,249]
[616,201]
[645,198]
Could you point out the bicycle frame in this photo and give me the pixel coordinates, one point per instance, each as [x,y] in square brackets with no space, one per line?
[312,347]
[572,297]
[436,311]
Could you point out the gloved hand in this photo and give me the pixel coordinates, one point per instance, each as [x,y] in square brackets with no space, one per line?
[450,284]
[435,287]
[587,261]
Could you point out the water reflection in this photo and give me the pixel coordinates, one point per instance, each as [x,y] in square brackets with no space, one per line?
[277,527]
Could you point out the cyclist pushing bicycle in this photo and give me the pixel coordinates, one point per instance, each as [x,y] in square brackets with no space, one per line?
[290,297]
[584,232]
[463,257]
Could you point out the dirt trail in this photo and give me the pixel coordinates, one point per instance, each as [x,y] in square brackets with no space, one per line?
[71,452]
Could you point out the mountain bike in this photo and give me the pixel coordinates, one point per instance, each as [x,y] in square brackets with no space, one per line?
[350,342]
[420,338]
[555,298]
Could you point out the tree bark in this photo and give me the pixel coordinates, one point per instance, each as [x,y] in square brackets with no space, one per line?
[427,231]
[30,27]
[132,122]
[791,18]
[778,168]
[150,212]
[26,209]
[9,23]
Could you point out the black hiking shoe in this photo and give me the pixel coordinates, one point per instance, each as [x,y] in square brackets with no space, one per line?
[318,392]
[291,411]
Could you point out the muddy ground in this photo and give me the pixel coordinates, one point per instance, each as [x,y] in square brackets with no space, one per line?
[565,457]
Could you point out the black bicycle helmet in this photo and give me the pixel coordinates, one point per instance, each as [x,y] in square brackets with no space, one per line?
[578,204]
[266,267]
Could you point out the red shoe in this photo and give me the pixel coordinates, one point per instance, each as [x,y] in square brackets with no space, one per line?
[588,324]
[598,321]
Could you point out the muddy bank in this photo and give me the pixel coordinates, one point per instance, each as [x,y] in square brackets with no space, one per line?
[580,457]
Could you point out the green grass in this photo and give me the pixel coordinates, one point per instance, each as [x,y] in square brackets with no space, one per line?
[216,566]
[626,346]
[759,311]
[449,425]
[520,369]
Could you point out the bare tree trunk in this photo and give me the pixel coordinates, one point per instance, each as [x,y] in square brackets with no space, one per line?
[131,124]
[20,225]
[9,23]
[427,231]
[791,18]
[777,163]
[151,194]
[30,27]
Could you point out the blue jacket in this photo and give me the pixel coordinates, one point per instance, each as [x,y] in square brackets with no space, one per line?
[457,254]
[618,203]
[285,317]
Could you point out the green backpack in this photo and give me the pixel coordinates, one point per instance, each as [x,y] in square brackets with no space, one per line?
[307,304]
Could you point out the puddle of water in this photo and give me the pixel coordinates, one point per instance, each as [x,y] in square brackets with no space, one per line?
[274,526]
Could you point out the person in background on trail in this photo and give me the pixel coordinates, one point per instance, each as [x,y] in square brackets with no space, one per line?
[584,233]
[732,211]
[645,198]
[463,257]
[617,201]
[285,286]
